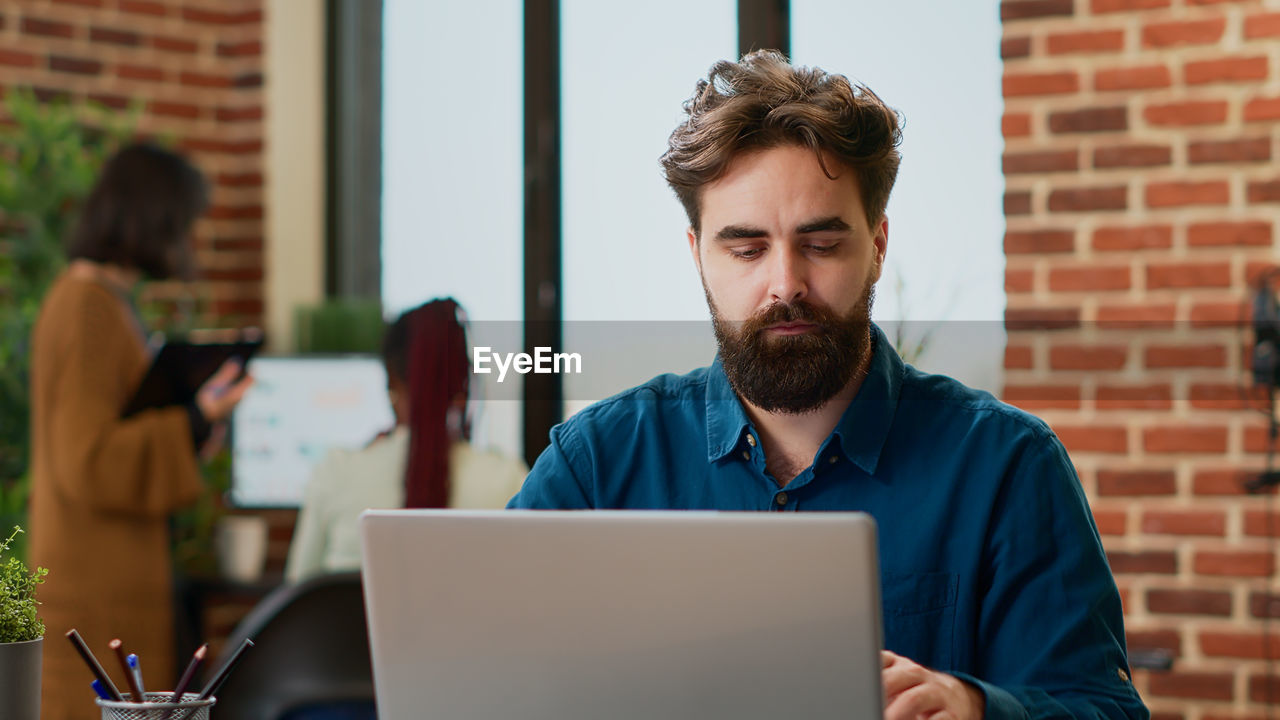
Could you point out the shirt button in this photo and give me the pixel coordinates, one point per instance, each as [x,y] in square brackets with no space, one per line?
[780,498]
[833,459]
[746,455]
[751,440]
[1124,676]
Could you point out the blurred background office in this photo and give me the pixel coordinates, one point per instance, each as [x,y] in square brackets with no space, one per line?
[1087,201]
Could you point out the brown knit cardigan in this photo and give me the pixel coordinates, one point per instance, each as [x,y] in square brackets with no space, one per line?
[102,492]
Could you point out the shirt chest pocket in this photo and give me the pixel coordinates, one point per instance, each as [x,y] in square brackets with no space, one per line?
[920,616]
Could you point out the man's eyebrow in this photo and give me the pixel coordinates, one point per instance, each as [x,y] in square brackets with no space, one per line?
[826,224]
[739,232]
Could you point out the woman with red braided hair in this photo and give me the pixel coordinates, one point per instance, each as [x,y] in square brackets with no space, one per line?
[425,461]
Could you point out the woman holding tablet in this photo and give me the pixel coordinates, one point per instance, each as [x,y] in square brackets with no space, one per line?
[103,485]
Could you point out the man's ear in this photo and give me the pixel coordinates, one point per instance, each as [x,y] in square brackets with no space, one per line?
[881,241]
[693,248]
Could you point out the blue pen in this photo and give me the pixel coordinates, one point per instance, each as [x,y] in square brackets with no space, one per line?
[136,669]
[102,692]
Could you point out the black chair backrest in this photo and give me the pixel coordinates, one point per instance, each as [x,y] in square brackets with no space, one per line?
[311,648]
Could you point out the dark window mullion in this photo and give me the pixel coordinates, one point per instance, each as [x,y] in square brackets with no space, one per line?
[543,393]
[353,212]
[764,24]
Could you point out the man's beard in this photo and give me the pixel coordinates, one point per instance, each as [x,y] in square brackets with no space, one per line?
[794,374]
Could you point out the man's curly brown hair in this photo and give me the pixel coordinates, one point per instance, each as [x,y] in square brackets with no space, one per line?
[764,101]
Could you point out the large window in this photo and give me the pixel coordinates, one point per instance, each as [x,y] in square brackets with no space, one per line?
[938,63]
[452,199]
[632,303]
[630,287]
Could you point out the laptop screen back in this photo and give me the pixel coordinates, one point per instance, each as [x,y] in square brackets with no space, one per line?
[622,615]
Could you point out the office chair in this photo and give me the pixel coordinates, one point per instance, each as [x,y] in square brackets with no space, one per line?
[310,657]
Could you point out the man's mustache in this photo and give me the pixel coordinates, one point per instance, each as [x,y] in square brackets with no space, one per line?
[779,313]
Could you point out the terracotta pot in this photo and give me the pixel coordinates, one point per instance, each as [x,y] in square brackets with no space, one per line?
[20,679]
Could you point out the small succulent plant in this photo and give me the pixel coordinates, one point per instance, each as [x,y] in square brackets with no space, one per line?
[19,621]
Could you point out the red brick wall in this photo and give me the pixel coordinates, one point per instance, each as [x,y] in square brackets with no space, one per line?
[197,69]
[1141,201]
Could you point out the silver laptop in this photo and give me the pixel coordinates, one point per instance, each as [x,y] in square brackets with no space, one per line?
[497,615]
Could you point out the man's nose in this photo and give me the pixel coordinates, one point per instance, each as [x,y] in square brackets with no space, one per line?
[787,276]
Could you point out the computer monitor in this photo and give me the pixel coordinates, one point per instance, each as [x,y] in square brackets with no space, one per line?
[298,409]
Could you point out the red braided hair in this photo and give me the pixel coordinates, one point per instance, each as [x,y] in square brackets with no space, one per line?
[437,373]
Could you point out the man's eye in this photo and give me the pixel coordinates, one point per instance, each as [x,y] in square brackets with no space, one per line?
[824,249]
[747,254]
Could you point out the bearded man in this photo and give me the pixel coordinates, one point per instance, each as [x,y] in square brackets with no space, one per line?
[998,601]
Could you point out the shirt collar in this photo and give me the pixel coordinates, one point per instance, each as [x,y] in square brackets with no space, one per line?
[862,430]
[864,427]
[726,418]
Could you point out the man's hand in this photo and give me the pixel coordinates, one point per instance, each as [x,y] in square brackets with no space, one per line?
[914,692]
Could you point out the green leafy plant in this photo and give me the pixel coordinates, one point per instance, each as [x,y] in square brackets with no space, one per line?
[339,325]
[19,621]
[193,550]
[50,154]
[910,338]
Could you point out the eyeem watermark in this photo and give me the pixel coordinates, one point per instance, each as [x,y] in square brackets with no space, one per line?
[541,362]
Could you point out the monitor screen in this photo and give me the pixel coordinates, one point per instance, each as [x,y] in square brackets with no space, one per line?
[298,409]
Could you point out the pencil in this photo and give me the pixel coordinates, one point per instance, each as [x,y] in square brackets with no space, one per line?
[118,647]
[189,674]
[224,671]
[93,664]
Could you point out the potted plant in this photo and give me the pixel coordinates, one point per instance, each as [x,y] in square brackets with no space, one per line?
[21,637]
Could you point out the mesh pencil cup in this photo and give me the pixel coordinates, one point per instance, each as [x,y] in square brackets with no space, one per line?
[157,707]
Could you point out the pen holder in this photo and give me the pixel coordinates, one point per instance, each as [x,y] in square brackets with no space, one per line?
[157,707]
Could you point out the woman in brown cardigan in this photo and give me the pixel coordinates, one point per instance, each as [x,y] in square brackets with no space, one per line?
[103,486]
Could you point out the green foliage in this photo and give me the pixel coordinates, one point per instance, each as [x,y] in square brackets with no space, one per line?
[340,325]
[19,621]
[13,511]
[910,338]
[193,548]
[49,158]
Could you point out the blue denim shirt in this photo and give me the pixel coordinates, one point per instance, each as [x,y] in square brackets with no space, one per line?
[991,566]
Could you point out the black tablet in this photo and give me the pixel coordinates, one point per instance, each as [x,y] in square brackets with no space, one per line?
[182,366]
